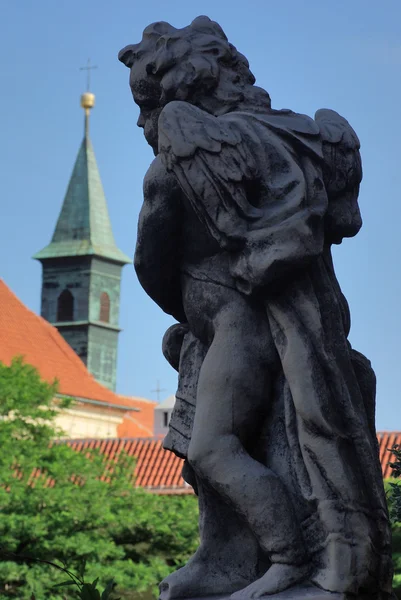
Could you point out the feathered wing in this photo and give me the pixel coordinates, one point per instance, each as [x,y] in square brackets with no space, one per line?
[342,175]
[212,164]
[241,176]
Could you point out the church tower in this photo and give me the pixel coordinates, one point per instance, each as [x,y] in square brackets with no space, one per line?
[82,267]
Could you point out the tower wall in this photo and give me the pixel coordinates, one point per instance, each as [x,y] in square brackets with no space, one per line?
[93,339]
[105,278]
[73,274]
[77,337]
[102,354]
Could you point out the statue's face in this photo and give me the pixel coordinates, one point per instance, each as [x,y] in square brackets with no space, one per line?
[146,93]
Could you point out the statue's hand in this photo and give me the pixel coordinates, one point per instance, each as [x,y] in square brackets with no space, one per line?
[172,343]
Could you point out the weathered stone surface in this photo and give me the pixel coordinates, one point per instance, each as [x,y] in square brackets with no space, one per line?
[275,410]
[302,592]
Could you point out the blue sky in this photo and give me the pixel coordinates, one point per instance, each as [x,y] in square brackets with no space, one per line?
[344,55]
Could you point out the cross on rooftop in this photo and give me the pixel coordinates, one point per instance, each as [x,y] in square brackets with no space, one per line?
[88,70]
[158,390]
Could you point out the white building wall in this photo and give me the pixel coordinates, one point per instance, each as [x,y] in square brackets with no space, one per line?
[81,422]
[163,416]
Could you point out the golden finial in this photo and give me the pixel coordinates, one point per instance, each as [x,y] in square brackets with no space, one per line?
[87,99]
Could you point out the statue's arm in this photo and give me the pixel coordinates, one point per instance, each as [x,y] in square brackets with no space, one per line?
[158,242]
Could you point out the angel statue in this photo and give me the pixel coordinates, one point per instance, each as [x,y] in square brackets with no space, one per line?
[275,412]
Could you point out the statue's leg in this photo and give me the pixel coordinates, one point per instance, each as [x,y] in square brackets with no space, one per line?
[228,558]
[227,541]
[232,400]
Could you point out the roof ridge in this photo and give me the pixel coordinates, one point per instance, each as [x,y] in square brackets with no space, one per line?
[14,295]
[138,398]
[388,432]
[140,425]
[153,438]
[98,196]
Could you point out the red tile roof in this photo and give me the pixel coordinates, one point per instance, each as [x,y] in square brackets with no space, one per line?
[22,332]
[156,468]
[160,470]
[387,439]
[137,424]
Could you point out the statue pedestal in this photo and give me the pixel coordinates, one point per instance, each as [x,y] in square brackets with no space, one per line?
[299,592]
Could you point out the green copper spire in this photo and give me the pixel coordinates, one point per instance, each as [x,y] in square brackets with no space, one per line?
[83,227]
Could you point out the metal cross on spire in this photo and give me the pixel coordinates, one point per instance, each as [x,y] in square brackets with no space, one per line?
[88,70]
[158,390]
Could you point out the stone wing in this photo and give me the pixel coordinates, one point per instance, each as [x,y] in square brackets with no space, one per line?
[213,165]
[342,174]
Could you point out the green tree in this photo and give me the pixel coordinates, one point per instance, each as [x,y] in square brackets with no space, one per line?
[77,507]
[393,489]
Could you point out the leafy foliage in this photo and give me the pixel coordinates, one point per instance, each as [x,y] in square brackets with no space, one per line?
[393,489]
[86,591]
[82,512]
[77,508]
[395,494]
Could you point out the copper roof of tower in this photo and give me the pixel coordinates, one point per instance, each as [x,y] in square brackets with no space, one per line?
[83,227]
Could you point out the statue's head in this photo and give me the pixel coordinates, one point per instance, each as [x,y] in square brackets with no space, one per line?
[195,64]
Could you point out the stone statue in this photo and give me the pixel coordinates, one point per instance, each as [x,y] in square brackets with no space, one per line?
[275,412]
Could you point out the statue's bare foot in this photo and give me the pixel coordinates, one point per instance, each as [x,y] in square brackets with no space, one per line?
[200,577]
[278,578]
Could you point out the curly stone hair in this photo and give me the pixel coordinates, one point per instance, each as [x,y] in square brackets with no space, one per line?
[193,62]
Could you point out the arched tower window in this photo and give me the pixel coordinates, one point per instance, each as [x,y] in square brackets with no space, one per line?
[104,308]
[65,306]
